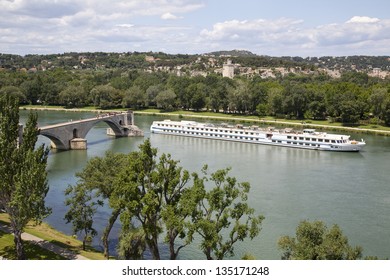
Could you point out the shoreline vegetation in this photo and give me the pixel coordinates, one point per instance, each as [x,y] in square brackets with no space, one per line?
[181,114]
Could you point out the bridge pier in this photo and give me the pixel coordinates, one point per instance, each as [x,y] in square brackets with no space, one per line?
[78,144]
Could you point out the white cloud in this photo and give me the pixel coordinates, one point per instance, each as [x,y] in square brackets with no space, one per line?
[125,25]
[41,8]
[288,36]
[169,16]
[251,30]
[358,19]
[29,26]
[52,26]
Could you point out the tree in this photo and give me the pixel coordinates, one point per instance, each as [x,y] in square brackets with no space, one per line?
[178,202]
[180,87]
[73,96]
[99,175]
[239,97]
[166,99]
[378,102]
[314,241]
[23,184]
[152,191]
[349,111]
[222,211]
[275,101]
[294,102]
[82,209]
[131,244]
[32,89]
[218,94]
[316,106]
[198,93]
[152,93]
[386,112]
[134,97]
[15,91]
[106,96]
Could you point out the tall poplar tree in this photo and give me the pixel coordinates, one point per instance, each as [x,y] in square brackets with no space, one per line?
[23,184]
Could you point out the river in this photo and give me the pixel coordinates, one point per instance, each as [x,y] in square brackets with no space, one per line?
[287,185]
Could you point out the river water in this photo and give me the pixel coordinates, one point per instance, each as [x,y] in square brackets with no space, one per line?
[287,185]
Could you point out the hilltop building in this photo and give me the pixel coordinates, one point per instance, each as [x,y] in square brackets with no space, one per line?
[228,69]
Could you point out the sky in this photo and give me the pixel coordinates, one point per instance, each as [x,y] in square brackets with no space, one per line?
[265,27]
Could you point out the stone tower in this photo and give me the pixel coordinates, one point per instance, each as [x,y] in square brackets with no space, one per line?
[228,69]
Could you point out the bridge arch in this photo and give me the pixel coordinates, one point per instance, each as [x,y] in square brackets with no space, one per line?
[117,128]
[56,142]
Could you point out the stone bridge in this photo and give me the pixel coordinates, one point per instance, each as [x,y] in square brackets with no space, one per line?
[71,135]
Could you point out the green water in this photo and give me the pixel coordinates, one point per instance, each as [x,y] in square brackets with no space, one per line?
[288,185]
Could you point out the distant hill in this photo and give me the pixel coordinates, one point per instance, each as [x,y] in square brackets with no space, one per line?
[146,60]
[233,53]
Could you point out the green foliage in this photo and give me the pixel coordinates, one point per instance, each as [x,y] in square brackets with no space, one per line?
[152,190]
[223,209]
[134,97]
[247,257]
[166,100]
[106,96]
[15,91]
[23,186]
[73,96]
[314,241]
[155,203]
[99,176]
[82,207]
[131,244]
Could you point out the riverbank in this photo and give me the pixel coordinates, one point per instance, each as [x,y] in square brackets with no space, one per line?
[322,125]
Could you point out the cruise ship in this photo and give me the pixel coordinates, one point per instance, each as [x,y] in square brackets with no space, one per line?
[305,139]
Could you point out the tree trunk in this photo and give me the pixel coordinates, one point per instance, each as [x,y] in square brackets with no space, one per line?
[107,230]
[173,254]
[153,247]
[207,252]
[19,245]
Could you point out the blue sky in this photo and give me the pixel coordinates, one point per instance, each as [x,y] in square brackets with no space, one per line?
[265,27]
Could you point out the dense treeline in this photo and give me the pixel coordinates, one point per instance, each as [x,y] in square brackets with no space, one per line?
[352,98]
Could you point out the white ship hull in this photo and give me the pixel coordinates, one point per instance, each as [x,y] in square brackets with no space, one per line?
[308,139]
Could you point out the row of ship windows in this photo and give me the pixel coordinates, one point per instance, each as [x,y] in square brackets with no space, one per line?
[306,144]
[209,129]
[209,134]
[316,140]
[299,143]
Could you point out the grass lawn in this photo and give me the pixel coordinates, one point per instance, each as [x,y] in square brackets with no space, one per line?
[45,232]
[33,252]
